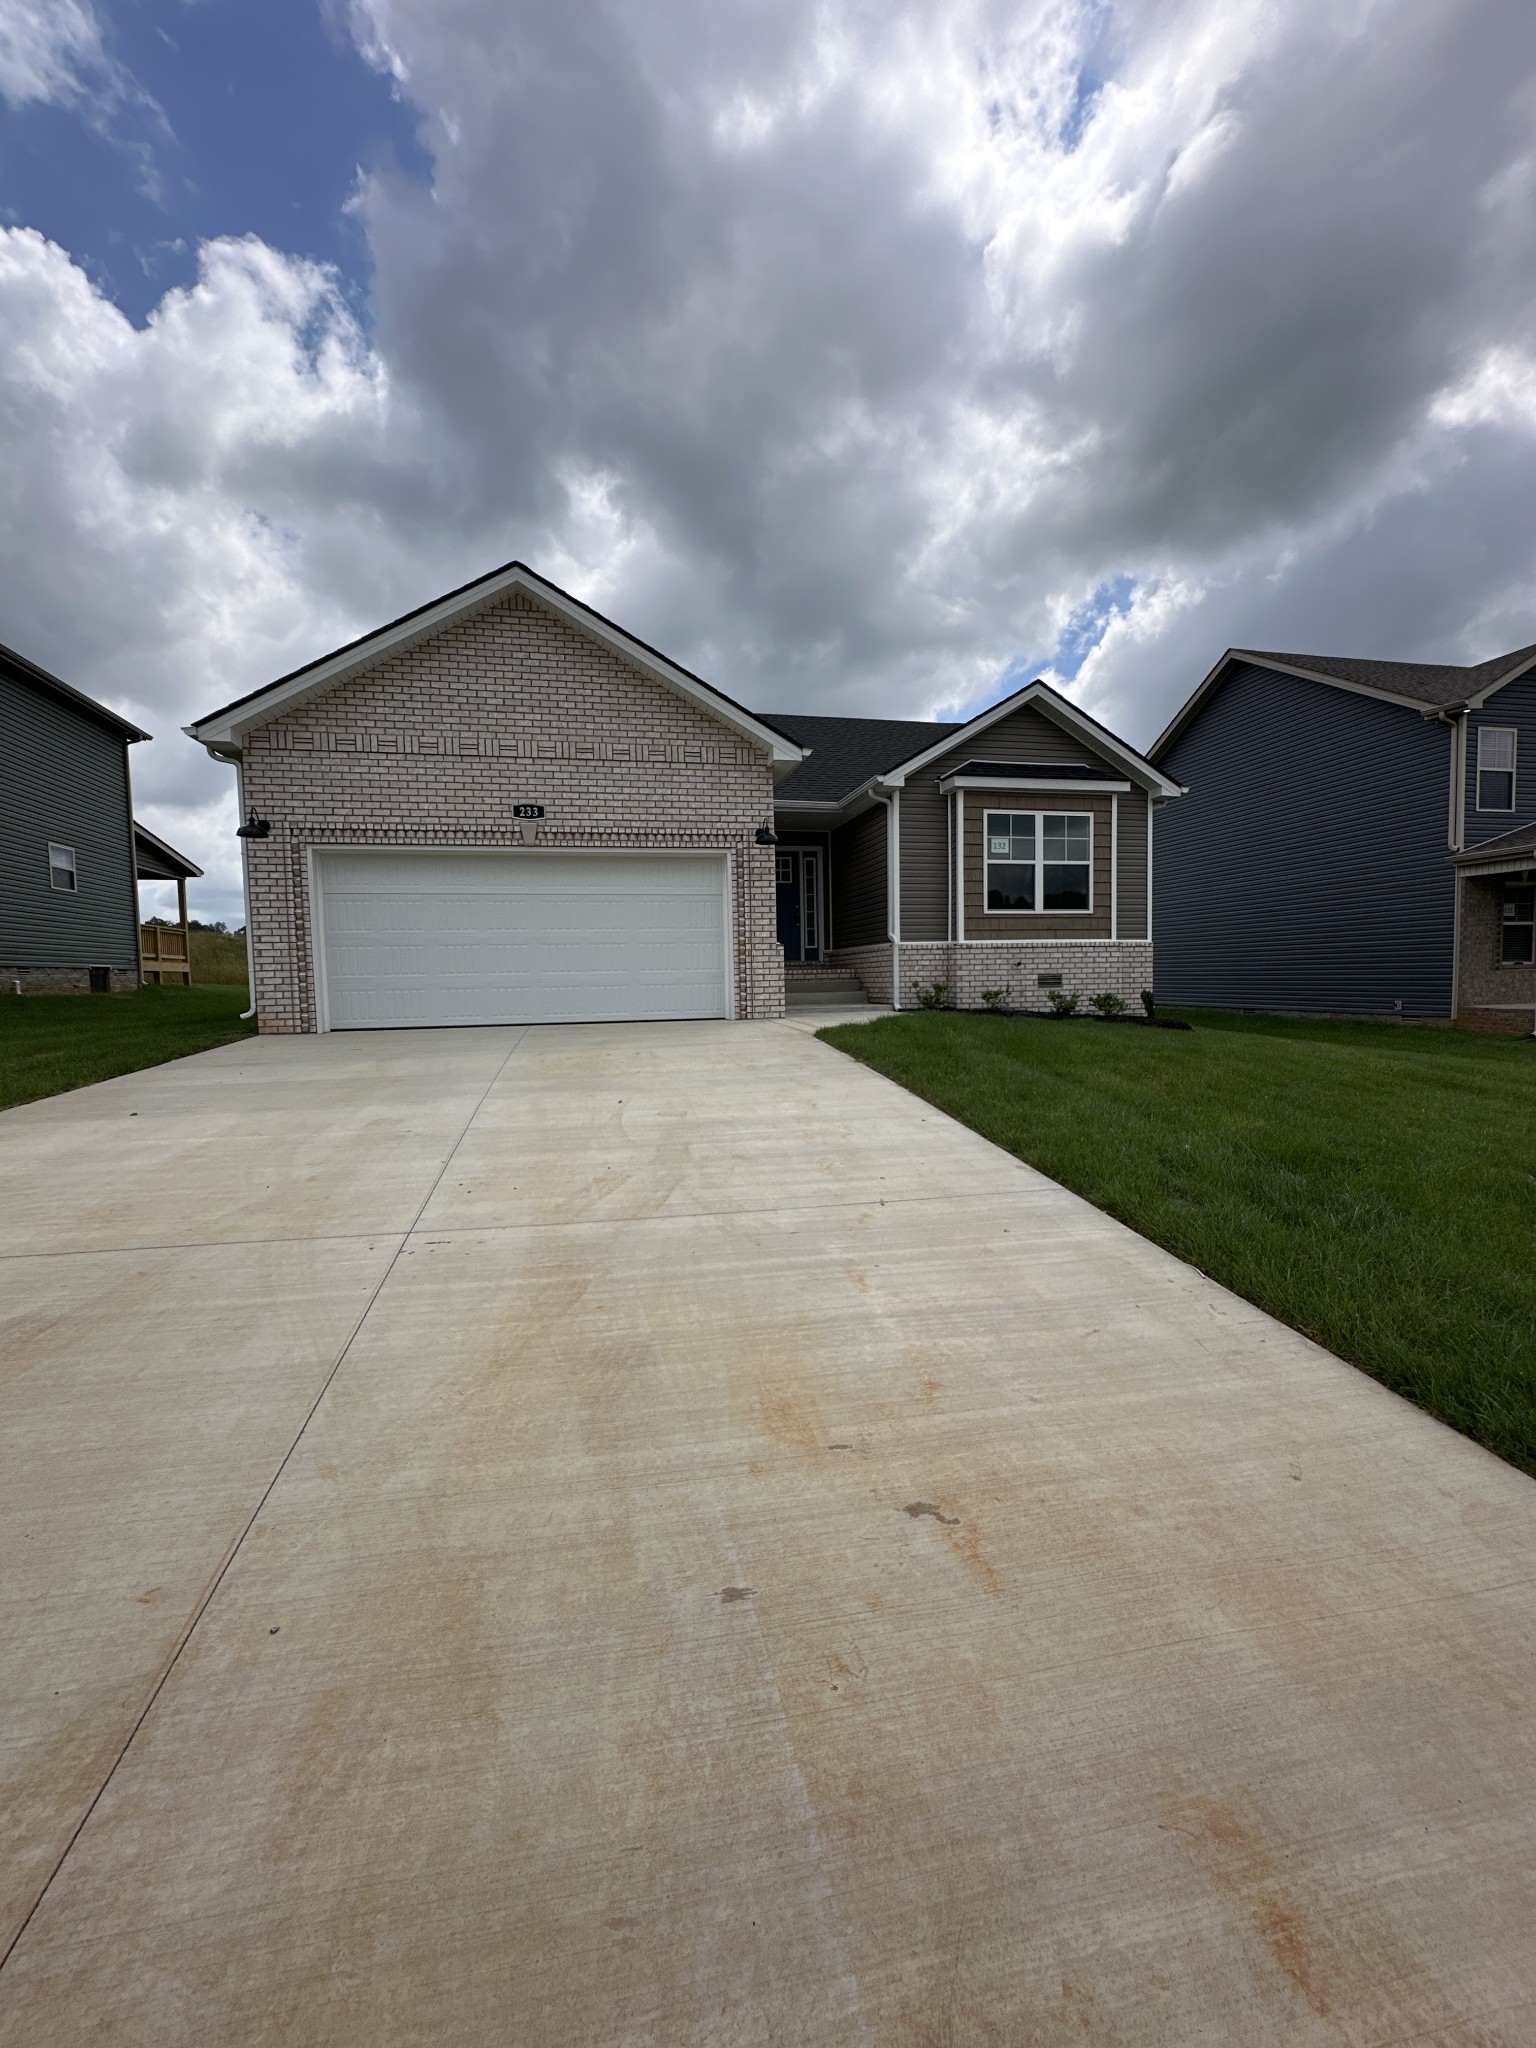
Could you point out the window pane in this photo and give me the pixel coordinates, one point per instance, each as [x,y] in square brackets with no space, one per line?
[1496,747]
[1066,836]
[1495,790]
[1519,909]
[1010,835]
[61,866]
[1066,886]
[1010,887]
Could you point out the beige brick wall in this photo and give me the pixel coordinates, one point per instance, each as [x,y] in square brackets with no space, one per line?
[1123,967]
[434,745]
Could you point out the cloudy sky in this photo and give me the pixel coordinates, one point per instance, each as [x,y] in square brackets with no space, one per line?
[866,356]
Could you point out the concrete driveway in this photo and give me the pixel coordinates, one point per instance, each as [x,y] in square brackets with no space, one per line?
[655,1536]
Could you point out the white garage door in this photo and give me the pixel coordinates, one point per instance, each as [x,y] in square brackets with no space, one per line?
[521,938]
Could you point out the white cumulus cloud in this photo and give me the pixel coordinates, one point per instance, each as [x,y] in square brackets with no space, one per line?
[856,354]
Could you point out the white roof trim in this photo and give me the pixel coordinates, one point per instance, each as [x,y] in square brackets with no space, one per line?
[1063,713]
[1520,669]
[225,730]
[1203,688]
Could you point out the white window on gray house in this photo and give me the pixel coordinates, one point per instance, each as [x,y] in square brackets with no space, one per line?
[61,867]
[1496,768]
[1518,924]
[1067,843]
[1010,860]
[1039,860]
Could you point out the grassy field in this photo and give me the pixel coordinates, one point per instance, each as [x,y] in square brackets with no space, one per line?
[51,1043]
[1374,1185]
[219,957]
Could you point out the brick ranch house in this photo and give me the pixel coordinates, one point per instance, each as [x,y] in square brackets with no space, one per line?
[503,808]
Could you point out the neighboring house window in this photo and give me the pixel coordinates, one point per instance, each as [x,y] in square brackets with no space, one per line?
[1496,768]
[1039,860]
[1518,923]
[61,867]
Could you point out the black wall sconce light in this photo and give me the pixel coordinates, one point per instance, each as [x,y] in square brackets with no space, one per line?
[254,828]
[766,836]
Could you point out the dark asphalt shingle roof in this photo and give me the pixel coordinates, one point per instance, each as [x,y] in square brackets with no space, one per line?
[1521,839]
[847,752]
[1426,682]
[156,860]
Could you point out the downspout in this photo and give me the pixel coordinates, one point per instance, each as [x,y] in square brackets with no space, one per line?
[133,872]
[892,804]
[245,888]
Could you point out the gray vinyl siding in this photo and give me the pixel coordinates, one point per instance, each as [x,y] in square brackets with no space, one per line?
[1133,865]
[1306,868]
[63,777]
[1022,736]
[1514,705]
[859,915]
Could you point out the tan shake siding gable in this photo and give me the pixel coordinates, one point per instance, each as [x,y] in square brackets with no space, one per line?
[432,747]
[1026,735]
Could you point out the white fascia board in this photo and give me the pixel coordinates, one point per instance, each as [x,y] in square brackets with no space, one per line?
[950,782]
[1060,712]
[227,729]
[1520,669]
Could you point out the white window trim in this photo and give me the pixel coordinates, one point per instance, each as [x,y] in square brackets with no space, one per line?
[1512,771]
[1501,963]
[1039,861]
[72,865]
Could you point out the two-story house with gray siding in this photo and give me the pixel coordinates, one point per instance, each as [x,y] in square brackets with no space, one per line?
[1350,842]
[69,914]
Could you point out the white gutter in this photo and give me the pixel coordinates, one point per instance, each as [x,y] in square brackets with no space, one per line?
[245,890]
[1461,779]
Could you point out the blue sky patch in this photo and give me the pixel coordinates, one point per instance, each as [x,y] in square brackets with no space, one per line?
[250,119]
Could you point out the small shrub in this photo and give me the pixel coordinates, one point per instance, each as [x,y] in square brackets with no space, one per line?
[1148,1005]
[932,995]
[1063,1002]
[994,998]
[1108,1004]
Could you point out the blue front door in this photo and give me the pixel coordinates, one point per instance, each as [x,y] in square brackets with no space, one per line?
[799,892]
[787,870]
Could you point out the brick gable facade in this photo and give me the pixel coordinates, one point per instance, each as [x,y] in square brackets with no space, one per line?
[434,744]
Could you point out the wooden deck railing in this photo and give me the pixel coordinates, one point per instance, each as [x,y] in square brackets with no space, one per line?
[167,952]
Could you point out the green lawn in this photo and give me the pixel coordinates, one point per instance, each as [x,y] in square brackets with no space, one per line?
[51,1043]
[1371,1184]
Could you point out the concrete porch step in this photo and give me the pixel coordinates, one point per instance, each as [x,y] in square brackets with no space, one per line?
[825,993]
